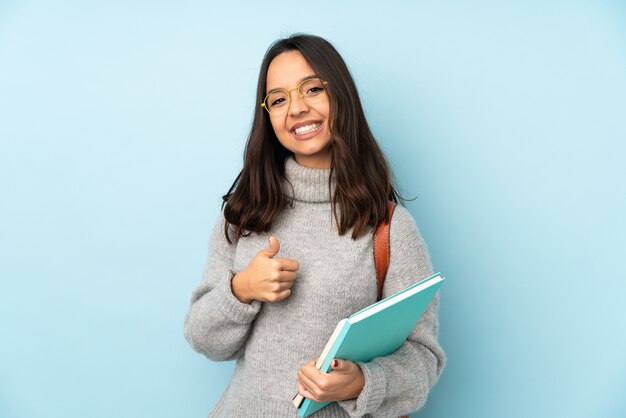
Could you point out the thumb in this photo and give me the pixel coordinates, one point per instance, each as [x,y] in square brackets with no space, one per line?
[338,365]
[272,249]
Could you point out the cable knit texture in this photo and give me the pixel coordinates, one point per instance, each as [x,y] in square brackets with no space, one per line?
[337,277]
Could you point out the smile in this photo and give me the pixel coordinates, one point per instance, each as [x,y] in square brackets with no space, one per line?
[307,128]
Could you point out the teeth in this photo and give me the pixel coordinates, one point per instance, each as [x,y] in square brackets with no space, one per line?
[308,128]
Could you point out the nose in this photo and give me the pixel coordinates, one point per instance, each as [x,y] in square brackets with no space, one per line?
[297,105]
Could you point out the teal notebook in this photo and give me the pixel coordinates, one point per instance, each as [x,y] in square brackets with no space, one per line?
[378,330]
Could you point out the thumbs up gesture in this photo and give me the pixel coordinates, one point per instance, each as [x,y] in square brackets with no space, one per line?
[266,278]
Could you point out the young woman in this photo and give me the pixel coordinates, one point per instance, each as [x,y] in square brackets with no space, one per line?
[291,254]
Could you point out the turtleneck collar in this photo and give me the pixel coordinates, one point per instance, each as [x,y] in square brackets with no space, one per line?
[309,184]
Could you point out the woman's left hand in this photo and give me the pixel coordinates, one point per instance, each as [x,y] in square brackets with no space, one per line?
[344,381]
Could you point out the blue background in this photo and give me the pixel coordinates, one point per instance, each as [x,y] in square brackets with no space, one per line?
[123,123]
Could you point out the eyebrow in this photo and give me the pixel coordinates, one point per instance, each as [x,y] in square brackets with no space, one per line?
[308,77]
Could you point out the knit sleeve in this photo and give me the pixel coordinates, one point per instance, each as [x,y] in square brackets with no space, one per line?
[217,323]
[399,383]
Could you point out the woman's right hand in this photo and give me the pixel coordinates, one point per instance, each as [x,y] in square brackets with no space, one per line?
[266,278]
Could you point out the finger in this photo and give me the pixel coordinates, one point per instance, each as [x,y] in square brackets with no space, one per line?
[287,276]
[313,363]
[310,371]
[284,294]
[288,264]
[282,286]
[276,295]
[301,389]
[272,249]
[305,392]
[309,384]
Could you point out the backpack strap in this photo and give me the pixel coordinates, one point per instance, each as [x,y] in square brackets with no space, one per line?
[382,254]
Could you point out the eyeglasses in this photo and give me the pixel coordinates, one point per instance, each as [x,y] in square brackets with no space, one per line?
[311,90]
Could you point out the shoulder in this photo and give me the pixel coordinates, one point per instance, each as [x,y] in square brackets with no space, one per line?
[218,242]
[402,222]
[408,248]
[403,229]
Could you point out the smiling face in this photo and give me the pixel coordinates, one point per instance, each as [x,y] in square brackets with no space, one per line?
[304,128]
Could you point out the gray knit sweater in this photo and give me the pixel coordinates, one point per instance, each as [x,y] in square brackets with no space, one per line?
[337,277]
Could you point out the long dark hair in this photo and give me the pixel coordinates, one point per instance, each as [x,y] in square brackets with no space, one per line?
[363,178]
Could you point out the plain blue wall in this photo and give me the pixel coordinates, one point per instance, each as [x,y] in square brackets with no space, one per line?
[123,123]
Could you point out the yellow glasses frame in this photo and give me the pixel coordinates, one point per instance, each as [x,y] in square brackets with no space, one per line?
[288,91]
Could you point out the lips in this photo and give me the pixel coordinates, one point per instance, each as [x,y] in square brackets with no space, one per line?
[306,125]
[306,132]
[308,128]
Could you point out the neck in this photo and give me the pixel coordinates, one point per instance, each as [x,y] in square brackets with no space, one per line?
[307,184]
[317,161]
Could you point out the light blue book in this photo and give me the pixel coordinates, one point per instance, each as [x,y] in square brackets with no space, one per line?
[378,330]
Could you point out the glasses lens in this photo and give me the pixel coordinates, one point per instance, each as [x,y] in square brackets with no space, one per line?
[277,102]
[312,90]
